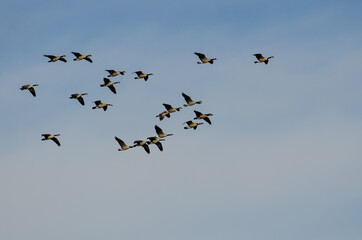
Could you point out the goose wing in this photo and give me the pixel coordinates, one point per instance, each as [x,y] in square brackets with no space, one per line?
[266,61]
[120,142]
[56,141]
[258,56]
[98,102]
[207,119]
[45,135]
[146,148]
[77,54]
[167,106]
[187,98]
[139,72]
[81,100]
[188,122]
[32,90]
[112,88]
[198,114]
[159,145]
[88,59]
[110,71]
[62,59]
[158,130]
[106,80]
[200,55]
[50,56]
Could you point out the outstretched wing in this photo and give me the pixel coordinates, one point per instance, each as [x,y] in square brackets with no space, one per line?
[110,71]
[120,142]
[98,102]
[186,97]
[167,106]
[198,114]
[113,89]
[81,100]
[77,54]
[49,56]
[139,72]
[56,141]
[200,55]
[88,59]
[146,148]
[188,122]
[159,145]
[258,56]
[32,90]
[207,120]
[266,61]
[106,80]
[158,130]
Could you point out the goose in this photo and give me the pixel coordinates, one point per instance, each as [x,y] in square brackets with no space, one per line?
[53,58]
[81,57]
[113,73]
[78,96]
[200,115]
[189,101]
[51,137]
[191,124]
[170,109]
[143,144]
[99,104]
[260,58]
[122,144]
[163,115]
[29,87]
[160,133]
[108,83]
[204,59]
[157,141]
[140,74]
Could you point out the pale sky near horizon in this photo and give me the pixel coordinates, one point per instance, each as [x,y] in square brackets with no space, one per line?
[281,160]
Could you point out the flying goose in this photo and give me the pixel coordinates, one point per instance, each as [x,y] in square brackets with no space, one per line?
[189,101]
[99,104]
[160,133]
[163,115]
[29,87]
[108,83]
[157,141]
[51,137]
[200,115]
[170,109]
[143,144]
[122,144]
[113,73]
[78,96]
[140,74]
[191,124]
[56,58]
[81,57]
[204,59]
[260,58]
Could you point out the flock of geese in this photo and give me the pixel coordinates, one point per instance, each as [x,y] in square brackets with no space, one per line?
[140,75]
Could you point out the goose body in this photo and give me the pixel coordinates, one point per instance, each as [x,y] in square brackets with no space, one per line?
[191,124]
[113,73]
[53,58]
[99,104]
[51,137]
[163,115]
[140,74]
[143,144]
[261,59]
[108,83]
[200,115]
[30,87]
[204,59]
[170,109]
[79,57]
[189,101]
[160,133]
[122,144]
[79,97]
[156,141]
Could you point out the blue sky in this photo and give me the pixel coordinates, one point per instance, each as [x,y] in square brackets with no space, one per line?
[282,159]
